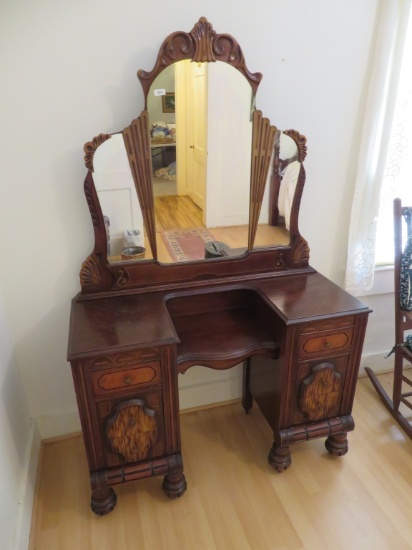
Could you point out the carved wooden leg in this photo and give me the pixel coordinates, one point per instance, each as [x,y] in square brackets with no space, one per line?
[103,499]
[279,458]
[337,445]
[247,399]
[174,485]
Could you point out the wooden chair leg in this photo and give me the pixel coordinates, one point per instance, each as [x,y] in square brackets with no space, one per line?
[400,419]
[397,380]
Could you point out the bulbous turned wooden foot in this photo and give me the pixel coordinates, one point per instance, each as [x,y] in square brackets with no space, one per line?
[174,485]
[337,445]
[279,458]
[103,502]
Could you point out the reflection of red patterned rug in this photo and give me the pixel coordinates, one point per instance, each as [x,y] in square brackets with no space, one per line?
[187,244]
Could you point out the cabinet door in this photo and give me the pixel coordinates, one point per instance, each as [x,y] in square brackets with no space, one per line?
[318,389]
[131,427]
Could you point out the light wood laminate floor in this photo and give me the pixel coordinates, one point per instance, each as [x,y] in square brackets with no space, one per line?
[235,500]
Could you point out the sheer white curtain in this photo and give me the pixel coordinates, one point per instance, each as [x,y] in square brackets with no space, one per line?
[380,105]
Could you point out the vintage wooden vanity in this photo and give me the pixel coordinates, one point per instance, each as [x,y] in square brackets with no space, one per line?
[137,324]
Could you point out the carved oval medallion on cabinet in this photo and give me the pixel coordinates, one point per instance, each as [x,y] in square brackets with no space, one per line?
[133,430]
[319,394]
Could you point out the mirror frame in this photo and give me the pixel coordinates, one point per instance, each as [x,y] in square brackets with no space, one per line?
[202,44]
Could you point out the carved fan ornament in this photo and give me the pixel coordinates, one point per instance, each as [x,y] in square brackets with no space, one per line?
[90,273]
[300,251]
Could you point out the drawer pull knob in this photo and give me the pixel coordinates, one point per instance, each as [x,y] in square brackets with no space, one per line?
[128,381]
[328,344]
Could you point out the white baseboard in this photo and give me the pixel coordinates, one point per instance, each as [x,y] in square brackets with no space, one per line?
[27,487]
[376,362]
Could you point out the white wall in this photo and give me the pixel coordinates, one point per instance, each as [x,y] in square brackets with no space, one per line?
[68,73]
[165,80]
[16,485]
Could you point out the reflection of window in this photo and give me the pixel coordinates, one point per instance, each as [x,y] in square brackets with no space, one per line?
[397,177]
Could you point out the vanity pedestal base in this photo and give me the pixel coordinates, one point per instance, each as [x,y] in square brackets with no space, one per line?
[300,368]
[336,442]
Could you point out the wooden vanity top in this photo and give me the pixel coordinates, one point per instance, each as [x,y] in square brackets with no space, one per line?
[99,325]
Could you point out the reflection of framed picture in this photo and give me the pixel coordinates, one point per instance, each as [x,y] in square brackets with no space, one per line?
[168,102]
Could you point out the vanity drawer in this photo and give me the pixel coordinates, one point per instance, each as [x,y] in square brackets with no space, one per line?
[131,377]
[325,343]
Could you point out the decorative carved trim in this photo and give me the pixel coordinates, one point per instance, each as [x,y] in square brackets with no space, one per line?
[90,148]
[124,359]
[201,45]
[280,260]
[122,277]
[299,189]
[203,36]
[102,362]
[132,431]
[300,251]
[88,191]
[137,142]
[332,426]
[263,139]
[319,392]
[90,273]
[300,141]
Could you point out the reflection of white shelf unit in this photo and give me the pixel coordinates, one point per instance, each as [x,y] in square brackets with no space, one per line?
[162,144]
[116,190]
[162,148]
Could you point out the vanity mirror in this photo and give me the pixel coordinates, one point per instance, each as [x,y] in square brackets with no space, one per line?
[200,175]
[250,297]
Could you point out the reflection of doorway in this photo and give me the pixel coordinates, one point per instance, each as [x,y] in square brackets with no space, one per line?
[191,121]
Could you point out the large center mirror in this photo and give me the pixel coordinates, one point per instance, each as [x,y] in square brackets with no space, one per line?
[201,136]
[200,174]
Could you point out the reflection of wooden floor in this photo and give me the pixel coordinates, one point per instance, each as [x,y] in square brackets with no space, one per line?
[176,212]
[180,212]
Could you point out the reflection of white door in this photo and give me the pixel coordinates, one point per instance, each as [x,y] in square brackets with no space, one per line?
[196,98]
